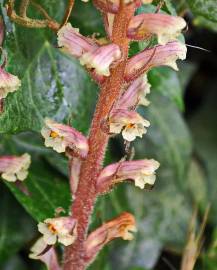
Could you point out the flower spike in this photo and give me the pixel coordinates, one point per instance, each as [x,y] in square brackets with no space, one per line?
[135,94]
[61,229]
[130,123]
[142,172]
[59,137]
[8,83]
[161,55]
[39,252]
[14,168]
[74,43]
[122,226]
[101,58]
[166,27]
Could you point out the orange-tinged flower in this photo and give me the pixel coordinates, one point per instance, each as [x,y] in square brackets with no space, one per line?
[129,123]
[122,226]
[61,229]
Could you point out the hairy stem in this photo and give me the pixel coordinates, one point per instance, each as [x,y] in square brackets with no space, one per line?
[23,7]
[86,194]
[68,11]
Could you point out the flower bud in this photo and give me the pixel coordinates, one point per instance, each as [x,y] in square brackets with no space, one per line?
[135,94]
[8,83]
[107,6]
[39,252]
[122,226]
[75,165]
[59,137]
[130,123]
[165,27]
[142,172]
[74,43]
[61,229]
[14,168]
[161,55]
[101,58]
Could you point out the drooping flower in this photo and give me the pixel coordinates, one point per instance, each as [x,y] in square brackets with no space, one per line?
[161,55]
[14,168]
[135,94]
[130,123]
[142,172]
[38,252]
[61,229]
[8,83]
[72,42]
[166,27]
[60,136]
[101,58]
[122,226]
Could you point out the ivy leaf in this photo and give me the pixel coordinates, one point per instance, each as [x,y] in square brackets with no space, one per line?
[45,192]
[166,82]
[16,227]
[47,89]
[204,8]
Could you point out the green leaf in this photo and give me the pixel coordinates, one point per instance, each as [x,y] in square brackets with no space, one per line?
[16,227]
[47,191]
[47,89]
[166,82]
[205,8]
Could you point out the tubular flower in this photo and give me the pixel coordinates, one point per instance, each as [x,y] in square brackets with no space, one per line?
[39,252]
[166,27]
[59,137]
[14,168]
[135,94]
[123,226]
[130,123]
[142,172]
[61,229]
[161,55]
[8,83]
[101,58]
[74,43]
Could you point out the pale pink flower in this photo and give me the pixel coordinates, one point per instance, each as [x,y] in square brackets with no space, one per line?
[74,43]
[101,58]
[161,55]
[8,83]
[60,136]
[135,94]
[38,252]
[142,172]
[75,165]
[129,123]
[61,229]
[165,27]
[14,168]
[122,226]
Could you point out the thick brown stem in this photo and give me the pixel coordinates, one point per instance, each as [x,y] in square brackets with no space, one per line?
[86,194]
